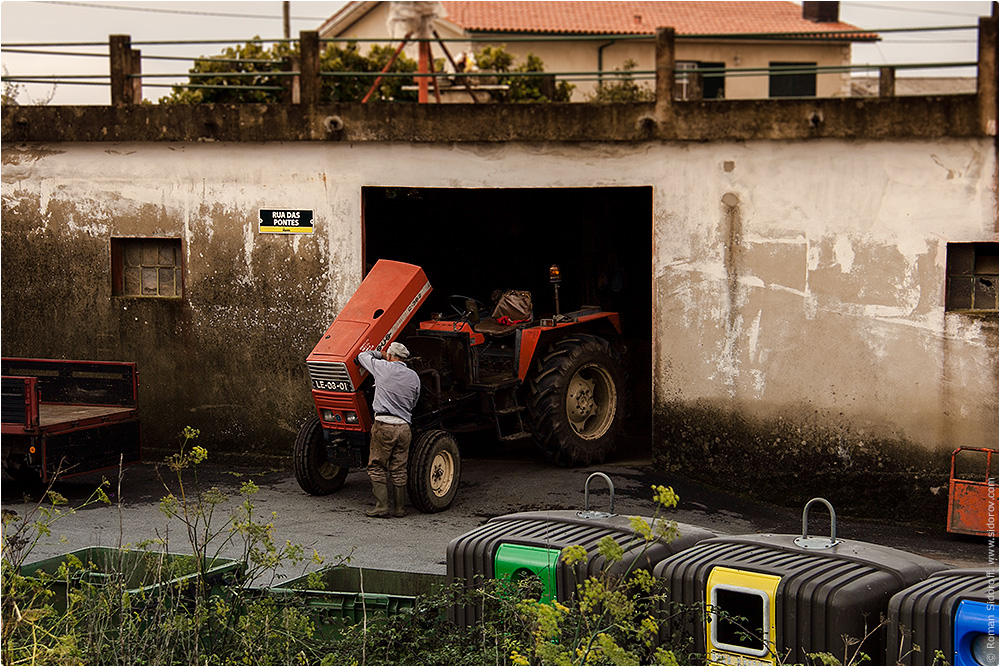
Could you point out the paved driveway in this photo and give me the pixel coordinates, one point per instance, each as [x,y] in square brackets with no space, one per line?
[491,486]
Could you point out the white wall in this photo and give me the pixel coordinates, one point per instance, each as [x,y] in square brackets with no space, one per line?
[817,286]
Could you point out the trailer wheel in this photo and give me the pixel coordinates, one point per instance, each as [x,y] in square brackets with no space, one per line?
[314,473]
[577,401]
[434,471]
[28,478]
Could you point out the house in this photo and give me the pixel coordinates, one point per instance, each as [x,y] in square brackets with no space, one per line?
[584,40]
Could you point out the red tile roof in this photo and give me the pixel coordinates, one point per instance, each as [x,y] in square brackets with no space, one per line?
[688,18]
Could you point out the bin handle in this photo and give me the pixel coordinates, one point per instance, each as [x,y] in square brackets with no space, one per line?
[807,542]
[587,513]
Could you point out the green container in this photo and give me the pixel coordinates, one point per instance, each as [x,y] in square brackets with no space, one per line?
[347,595]
[517,562]
[141,573]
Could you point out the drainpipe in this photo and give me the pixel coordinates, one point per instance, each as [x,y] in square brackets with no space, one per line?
[600,63]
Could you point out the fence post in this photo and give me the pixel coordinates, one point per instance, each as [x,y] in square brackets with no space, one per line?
[986,75]
[135,69]
[665,63]
[887,82]
[120,50]
[309,80]
[292,92]
[696,86]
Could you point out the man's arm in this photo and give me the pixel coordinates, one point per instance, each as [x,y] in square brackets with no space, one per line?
[367,359]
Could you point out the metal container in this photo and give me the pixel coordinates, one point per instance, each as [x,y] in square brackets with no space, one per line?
[949,612]
[344,595]
[769,599]
[529,544]
[140,573]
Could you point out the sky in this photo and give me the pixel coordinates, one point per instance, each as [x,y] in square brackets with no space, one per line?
[61,21]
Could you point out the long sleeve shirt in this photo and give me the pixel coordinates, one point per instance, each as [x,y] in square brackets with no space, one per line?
[397,387]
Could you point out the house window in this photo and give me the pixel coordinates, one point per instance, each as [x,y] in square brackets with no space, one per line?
[792,80]
[149,267]
[972,277]
[713,84]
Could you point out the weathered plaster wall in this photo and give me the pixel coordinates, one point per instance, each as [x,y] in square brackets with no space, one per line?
[798,286]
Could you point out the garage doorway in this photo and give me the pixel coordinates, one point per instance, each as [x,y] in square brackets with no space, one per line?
[475,241]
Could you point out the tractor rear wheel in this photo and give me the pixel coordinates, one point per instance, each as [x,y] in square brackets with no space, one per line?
[313,471]
[577,401]
[434,471]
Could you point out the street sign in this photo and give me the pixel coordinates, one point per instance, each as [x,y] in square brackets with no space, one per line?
[285,221]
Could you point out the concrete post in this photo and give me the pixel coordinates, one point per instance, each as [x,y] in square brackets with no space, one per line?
[135,68]
[696,86]
[986,79]
[120,50]
[665,63]
[887,82]
[309,79]
[291,91]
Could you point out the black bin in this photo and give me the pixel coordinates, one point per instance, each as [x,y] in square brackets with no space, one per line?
[769,599]
[927,615]
[530,542]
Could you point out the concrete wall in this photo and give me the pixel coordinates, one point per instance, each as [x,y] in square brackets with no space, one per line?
[798,314]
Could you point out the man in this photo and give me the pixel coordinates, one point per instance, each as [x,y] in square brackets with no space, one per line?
[397,389]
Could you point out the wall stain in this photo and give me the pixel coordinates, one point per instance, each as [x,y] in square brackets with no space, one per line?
[787,460]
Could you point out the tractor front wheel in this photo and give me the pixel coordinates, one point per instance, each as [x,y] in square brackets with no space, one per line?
[313,471]
[434,471]
[577,401]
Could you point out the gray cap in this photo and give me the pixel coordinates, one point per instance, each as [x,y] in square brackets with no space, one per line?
[399,350]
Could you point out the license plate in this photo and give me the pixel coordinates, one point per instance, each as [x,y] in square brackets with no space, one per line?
[331,385]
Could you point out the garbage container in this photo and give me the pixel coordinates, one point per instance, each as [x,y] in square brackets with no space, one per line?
[765,599]
[339,596]
[950,612]
[140,573]
[528,544]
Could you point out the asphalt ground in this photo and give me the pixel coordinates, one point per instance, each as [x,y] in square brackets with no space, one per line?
[493,483]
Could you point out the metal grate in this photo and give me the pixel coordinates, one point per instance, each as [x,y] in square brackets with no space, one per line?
[329,376]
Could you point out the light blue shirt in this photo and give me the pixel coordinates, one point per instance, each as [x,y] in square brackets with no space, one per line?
[397,387]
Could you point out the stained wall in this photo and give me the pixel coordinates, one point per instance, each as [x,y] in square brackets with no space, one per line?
[800,337]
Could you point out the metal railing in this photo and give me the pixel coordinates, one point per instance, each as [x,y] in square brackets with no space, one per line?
[300,79]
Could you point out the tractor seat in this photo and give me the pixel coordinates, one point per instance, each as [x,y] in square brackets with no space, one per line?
[513,306]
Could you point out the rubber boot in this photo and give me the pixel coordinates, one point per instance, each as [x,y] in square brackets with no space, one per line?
[381,509]
[399,499]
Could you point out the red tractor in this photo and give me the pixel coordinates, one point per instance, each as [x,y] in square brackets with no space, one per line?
[558,379]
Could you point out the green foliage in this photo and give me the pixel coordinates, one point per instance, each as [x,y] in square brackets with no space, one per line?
[539,88]
[119,621]
[251,74]
[623,88]
[614,619]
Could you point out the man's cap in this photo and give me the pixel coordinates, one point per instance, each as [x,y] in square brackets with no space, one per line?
[399,350]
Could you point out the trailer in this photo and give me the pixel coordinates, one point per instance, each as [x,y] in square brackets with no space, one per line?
[65,418]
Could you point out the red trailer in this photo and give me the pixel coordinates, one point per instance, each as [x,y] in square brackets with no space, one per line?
[70,417]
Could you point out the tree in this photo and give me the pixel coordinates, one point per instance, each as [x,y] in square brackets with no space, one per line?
[624,88]
[252,74]
[541,88]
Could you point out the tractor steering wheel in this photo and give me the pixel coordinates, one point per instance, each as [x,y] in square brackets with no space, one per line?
[469,307]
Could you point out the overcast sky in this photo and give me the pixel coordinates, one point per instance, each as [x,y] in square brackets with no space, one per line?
[237,21]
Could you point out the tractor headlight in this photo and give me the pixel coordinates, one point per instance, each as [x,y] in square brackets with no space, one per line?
[330,415]
[351,417]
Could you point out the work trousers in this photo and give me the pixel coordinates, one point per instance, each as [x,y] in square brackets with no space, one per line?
[389,450]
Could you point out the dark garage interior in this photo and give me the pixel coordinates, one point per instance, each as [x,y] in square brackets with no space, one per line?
[474,241]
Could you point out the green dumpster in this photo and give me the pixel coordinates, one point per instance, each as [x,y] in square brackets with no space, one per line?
[339,596]
[141,573]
